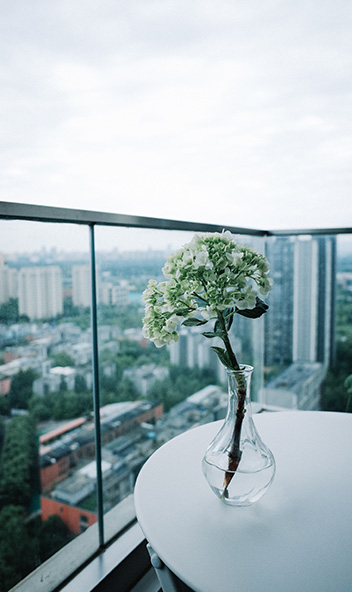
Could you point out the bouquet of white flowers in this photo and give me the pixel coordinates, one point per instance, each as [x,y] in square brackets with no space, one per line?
[212,277]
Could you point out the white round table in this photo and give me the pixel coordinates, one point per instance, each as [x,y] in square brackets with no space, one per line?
[297,537]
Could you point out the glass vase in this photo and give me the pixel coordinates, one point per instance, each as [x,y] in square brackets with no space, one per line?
[237,464]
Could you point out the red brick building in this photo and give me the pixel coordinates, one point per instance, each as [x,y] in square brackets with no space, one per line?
[77,520]
[59,460]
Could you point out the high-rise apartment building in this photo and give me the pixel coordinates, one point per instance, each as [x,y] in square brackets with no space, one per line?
[279,319]
[300,325]
[8,281]
[40,292]
[306,285]
[301,320]
[314,299]
[81,288]
[326,339]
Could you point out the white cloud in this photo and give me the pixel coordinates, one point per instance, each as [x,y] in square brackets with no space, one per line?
[218,112]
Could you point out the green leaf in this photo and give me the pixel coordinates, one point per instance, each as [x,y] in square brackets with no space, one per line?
[211,334]
[223,356]
[193,322]
[256,312]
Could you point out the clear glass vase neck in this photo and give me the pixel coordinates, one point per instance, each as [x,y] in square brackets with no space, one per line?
[239,382]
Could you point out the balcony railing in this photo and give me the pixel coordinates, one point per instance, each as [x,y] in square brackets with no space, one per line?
[320,250]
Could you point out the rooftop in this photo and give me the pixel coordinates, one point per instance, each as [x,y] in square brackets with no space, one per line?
[295,376]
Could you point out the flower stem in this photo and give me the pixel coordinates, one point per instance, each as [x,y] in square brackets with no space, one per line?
[226,340]
[234,450]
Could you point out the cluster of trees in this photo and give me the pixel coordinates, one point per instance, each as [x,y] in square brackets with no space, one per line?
[24,543]
[180,384]
[17,486]
[125,317]
[137,270]
[21,389]
[9,313]
[19,462]
[21,392]
[63,404]
[336,395]
[16,547]
[337,389]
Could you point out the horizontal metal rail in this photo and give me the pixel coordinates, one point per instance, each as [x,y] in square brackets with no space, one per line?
[16,211]
[308,231]
[19,211]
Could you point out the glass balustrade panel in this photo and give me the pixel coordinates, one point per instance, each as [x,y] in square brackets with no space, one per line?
[47,464]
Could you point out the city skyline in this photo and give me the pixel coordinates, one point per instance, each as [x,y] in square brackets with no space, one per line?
[39,237]
[300,326]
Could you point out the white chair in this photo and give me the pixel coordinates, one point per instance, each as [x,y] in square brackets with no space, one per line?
[168,581]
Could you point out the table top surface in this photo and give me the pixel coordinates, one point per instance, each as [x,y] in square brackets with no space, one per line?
[298,536]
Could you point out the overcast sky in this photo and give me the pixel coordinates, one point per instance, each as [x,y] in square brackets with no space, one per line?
[224,111]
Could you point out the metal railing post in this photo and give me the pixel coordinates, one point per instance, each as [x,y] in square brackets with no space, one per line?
[96,387]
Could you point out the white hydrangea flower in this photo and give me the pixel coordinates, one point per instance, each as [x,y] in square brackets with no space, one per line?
[202,260]
[209,274]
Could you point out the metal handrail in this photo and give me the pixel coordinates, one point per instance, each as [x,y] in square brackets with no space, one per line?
[17,211]
[20,211]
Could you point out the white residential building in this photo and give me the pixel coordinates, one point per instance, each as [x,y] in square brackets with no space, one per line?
[300,323]
[305,318]
[81,285]
[8,281]
[114,295]
[314,299]
[40,292]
